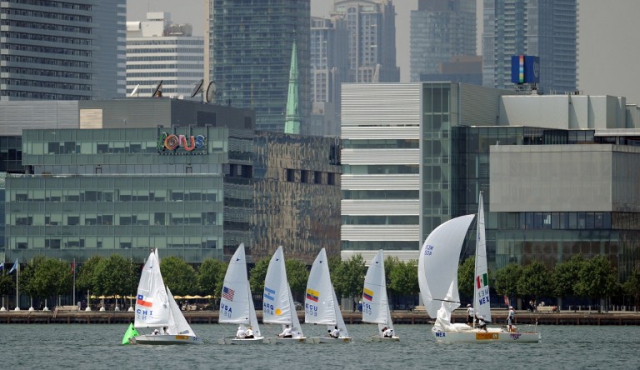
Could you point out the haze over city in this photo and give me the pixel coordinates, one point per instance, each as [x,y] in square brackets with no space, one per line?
[606,38]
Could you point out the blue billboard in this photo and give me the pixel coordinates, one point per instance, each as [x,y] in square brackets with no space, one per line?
[525,69]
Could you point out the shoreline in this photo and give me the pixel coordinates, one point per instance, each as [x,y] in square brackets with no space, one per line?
[351,318]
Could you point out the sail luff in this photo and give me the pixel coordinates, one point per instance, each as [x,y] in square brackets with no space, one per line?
[481,299]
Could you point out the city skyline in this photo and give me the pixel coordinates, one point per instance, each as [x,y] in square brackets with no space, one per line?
[605,38]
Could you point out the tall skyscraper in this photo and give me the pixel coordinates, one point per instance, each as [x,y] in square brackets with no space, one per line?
[329,69]
[543,28]
[372,39]
[250,44]
[158,49]
[440,30]
[62,51]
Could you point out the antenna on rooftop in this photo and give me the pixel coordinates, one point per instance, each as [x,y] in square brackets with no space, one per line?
[211,92]
[197,89]
[157,93]
[134,92]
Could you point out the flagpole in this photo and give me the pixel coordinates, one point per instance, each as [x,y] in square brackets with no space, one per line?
[17,287]
[74,280]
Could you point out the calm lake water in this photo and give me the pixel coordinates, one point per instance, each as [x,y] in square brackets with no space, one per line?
[98,347]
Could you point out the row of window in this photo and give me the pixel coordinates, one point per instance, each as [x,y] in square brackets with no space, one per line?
[165,66]
[310,177]
[167,73]
[42,96]
[47,84]
[47,49]
[49,73]
[71,147]
[380,220]
[46,61]
[59,195]
[142,219]
[49,15]
[47,38]
[104,242]
[381,144]
[54,4]
[413,169]
[46,26]
[155,58]
[165,50]
[380,194]
[559,220]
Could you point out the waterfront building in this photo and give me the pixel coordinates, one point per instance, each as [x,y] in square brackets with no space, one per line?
[159,50]
[557,171]
[249,53]
[372,39]
[62,51]
[192,179]
[547,29]
[440,30]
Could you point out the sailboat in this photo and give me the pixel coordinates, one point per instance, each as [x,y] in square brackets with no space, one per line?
[156,308]
[438,280]
[321,304]
[278,306]
[375,304]
[236,303]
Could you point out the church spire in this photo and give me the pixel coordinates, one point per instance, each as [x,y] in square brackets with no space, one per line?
[292,117]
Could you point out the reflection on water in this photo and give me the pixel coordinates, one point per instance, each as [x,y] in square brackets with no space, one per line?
[98,347]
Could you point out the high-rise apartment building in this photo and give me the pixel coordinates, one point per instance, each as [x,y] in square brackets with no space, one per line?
[62,51]
[329,69]
[440,30]
[372,39]
[249,56]
[543,28]
[159,50]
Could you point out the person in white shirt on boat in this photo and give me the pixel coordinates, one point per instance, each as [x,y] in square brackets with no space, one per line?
[510,318]
[335,333]
[286,333]
[248,334]
[481,324]
[387,332]
[241,333]
[156,331]
[470,314]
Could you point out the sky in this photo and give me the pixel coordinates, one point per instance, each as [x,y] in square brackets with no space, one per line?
[608,48]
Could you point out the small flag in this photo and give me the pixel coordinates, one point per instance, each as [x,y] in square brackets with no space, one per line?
[313,295]
[482,280]
[367,294]
[73,268]
[227,293]
[15,266]
[506,300]
[140,301]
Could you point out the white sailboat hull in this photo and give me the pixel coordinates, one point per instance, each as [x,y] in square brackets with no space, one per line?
[165,339]
[285,340]
[377,338]
[234,340]
[328,340]
[481,336]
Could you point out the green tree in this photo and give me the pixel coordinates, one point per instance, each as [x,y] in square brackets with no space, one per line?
[7,286]
[466,274]
[211,276]
[597,279]
[179,276]
[632,286]
[506,282]
[348,278]
[257,276]
[566,275]
[46,277]
[297,275]
[404,278]
[85,275]
[114,276]
[535,281]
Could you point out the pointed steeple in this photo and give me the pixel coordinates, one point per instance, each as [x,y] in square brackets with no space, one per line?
[292,117]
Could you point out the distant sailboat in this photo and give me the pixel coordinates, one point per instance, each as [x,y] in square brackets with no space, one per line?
[321,304]
[375,303]
[278,306]
[156,308]
[236,303]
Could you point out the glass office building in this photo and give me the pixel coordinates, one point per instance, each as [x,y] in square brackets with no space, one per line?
[192,192]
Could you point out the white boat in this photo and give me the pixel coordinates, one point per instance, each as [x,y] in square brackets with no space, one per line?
[375,303]
[438,280]
[156,308]
[278,306]
[236,301]
[321,305]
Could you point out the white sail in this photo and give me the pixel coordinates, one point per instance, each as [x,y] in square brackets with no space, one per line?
[234,301]
[321,303]
[152,303]
[481,301]
[375,305]
[438,265]
[178,324]
[278,307]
